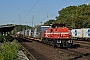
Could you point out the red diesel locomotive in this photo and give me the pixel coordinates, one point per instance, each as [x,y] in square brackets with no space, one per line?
[57,35]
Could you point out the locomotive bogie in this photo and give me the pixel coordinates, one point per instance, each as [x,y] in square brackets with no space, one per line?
[58,42]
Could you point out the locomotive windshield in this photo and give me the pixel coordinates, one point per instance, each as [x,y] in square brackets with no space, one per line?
[57,25]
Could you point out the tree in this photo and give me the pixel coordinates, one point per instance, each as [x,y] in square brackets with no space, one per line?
[49,22]
[75,16]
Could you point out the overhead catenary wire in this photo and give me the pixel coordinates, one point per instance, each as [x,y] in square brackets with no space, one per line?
[30,9]
[65,1]
[28,5]
[47,15]
[50,10]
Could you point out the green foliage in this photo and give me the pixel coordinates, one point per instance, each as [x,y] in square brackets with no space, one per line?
[20,28]
[74,16]
[1,38]
[5,38]
[49,22]
[8,50]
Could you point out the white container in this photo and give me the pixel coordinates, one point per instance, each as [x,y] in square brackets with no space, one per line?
[86,32]
[23,32]
[29,32]
[34,35]
[38,31]
[77,33]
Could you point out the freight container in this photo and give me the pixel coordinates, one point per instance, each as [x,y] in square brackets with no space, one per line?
[81,34]
[43,28]
[29,31]
[77,33]
[32,32]
[18,34]
[25,32]
[38,30]
[86,32]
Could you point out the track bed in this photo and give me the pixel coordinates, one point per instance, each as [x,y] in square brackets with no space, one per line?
[46,52]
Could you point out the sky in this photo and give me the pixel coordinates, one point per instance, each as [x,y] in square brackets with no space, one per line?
[25,12]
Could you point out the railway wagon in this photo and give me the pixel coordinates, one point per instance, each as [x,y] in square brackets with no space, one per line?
[26,33]
[81,34]
[18,34]
[37,34]
[57,35]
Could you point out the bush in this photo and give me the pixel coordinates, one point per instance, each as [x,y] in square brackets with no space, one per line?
[9,50]
[1,38]
[5,38]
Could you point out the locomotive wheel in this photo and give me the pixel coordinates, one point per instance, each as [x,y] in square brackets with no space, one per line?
[51,43]
[44,42]
[71,44]
[54,44]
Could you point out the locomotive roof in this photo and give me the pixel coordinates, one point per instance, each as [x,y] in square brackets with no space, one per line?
[61,24]
[44,26]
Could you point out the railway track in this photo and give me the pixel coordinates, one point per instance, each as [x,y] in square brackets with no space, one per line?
[79,55]
[35,55]
[43,51]
[82,52]
[83,44]
[29,55]
[75,54]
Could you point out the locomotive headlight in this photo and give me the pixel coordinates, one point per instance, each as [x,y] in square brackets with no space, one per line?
[58,41]
[67,37]
[69,41]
